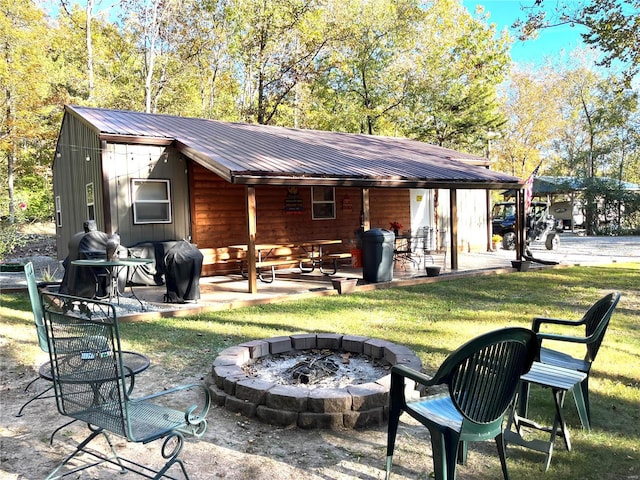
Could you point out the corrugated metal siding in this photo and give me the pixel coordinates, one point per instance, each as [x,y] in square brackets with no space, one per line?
[71,173]
[126,162]
[238,150]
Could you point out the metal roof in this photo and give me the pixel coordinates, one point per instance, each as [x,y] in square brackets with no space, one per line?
[549,185]
[258,154]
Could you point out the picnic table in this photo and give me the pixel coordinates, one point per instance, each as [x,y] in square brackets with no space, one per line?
[306,255]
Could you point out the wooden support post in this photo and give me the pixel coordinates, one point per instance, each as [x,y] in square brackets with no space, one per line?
[453,226]
[365,209]
[250,193]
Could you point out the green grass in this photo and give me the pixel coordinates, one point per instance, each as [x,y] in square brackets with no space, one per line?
[433,319]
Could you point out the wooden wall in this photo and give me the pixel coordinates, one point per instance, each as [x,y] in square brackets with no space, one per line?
[218,212]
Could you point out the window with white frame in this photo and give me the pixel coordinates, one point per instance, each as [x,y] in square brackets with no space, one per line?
[323,203]
[91,209]
[151,200]
[58,211]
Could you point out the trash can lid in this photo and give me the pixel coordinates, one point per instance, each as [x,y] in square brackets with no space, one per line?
[379,235]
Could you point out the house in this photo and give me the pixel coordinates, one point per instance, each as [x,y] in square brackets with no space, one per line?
[155,177]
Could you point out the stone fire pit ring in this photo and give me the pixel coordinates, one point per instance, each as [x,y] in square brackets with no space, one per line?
[354,406]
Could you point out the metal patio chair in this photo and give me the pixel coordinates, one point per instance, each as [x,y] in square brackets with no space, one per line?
[90,383]
[482,378]
[594,322]
[38,318]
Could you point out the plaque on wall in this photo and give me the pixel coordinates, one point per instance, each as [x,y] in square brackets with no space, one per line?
[293,202]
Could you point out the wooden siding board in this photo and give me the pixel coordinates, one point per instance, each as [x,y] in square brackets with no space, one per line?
[219,217]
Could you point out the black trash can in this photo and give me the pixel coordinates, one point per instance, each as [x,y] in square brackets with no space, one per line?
[377,255]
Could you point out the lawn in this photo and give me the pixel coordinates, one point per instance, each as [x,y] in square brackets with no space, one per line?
[433,319]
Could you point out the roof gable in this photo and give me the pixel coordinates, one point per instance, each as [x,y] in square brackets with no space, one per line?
[255,154]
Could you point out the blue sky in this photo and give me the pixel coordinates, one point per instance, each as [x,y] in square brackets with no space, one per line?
[550,43]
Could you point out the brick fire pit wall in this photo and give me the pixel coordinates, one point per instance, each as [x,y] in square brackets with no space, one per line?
[284,405]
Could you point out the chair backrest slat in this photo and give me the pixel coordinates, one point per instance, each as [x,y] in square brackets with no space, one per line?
[485,372]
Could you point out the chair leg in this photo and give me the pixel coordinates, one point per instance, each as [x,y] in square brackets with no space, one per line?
[584,385]
[58,429]
[394,419]
[462,453]
[445,452]
[78,449]
[502,454]
[26,389]
[172,456]
[522,405]
[582,404]
[38,396]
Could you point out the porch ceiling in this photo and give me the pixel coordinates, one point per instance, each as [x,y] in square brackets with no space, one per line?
[259,154]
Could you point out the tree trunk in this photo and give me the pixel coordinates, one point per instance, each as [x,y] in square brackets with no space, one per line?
[89,12]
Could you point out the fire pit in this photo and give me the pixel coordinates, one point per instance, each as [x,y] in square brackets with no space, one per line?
[308,388]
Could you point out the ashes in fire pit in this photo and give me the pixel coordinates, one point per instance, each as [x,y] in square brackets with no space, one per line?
[318,369]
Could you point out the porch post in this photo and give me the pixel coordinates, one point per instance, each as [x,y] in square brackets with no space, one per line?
[520,225]
[453,226]
[250,193]
[489,220]
[366,222]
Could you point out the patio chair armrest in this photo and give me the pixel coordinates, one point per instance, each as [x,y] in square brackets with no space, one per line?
[561,338]
[131,377]
[538,321]
[416,376]
[195,415]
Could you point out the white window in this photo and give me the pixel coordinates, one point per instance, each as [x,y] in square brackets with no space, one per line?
[91,209]
[58,212]
[151,201]
[323,203]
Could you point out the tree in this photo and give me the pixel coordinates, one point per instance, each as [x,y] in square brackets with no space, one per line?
[276,43]
[152,23]
[612,25]
[368,73]
[457,65]
[27,109]
[208,64]
[531,103]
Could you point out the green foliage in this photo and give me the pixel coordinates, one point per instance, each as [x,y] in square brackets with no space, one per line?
[10,238]
[426,70]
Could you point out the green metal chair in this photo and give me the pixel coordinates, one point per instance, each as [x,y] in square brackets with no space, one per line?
[482,378]
[90,383]
[594,322]
[41,331]
[38,318]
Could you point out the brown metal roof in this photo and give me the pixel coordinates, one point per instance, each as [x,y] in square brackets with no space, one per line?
[259,154]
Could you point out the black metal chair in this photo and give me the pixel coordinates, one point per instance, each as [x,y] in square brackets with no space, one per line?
[90,383]
[482,378]
[594,322]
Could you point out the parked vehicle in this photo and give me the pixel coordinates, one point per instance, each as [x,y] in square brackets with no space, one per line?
[540,227]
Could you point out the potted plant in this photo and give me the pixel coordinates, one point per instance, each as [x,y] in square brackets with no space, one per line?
[495,241]
[395,226]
